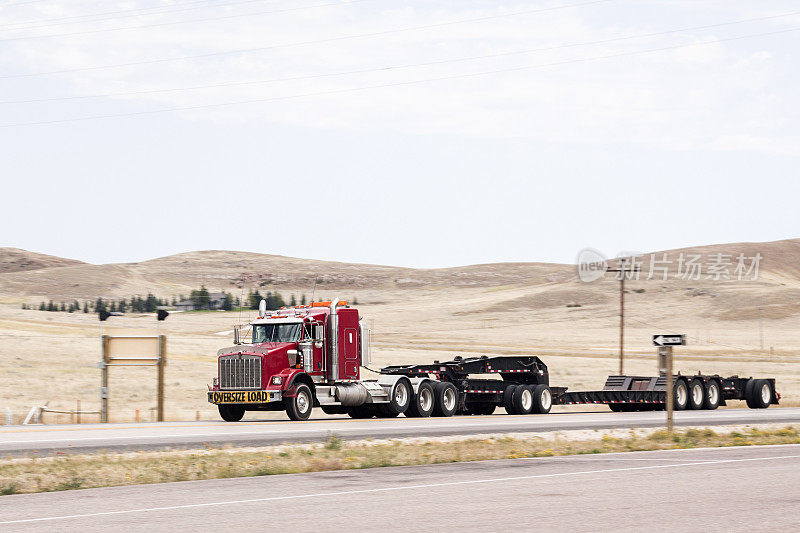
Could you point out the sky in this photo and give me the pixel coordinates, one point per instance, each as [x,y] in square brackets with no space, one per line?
[416,133]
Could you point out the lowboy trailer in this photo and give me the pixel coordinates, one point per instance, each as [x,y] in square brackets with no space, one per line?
[310,356]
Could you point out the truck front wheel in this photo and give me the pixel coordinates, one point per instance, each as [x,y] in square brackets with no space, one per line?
[231,413]
[299,407]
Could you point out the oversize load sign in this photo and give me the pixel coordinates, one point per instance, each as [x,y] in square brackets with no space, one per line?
[253,396]
[669,340]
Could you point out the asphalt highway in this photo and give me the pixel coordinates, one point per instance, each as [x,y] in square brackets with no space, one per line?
[45,440]
[716,489]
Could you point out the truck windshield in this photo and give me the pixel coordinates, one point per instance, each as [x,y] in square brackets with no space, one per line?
[276,333]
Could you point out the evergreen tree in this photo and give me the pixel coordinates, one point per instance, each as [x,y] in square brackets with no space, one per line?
[227,302]
[63,307]
[355,301]
[113,307]
[85,306]
[99,305]
[42,307]
[303,299]
[121,306]
[200,298]
[174,302]
[237,303]
[292,300]
[150,304]
[254,298]
[50,306]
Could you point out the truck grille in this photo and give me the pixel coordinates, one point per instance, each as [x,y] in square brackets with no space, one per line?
[240,372]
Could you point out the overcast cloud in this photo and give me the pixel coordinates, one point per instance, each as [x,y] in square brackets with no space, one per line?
[506,131]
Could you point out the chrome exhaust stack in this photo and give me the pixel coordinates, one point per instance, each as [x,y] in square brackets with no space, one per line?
[333,341]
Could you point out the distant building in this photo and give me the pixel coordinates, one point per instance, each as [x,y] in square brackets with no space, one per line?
[216,301]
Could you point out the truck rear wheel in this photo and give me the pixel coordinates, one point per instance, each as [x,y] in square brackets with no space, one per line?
[680,396]
[697,394]
[446,399]
[422,403]
[231,413]
[299,407]
[542,399]
[400,397]
[508,399]
[760,394]
[523,400]
[713,395]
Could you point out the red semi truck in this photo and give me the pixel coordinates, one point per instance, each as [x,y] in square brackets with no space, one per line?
[311,356]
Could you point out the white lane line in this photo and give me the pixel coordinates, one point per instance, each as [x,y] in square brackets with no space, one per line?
[389,489]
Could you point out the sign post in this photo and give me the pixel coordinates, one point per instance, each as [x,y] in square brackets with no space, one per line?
[665,344]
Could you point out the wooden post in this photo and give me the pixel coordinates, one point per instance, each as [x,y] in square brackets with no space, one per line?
[104,381]
[670,386]
[162,362]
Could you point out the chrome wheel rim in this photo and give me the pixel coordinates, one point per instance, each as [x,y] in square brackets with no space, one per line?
[527,400]
[547,399]
[449,399]
[680,395]
[766,393]
[400,395]
[425,399]
[713,394]
[302,402]
[697,394]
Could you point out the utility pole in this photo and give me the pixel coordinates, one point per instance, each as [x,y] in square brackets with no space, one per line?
[622,269]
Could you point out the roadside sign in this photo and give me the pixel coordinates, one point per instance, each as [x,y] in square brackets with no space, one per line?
[669,340]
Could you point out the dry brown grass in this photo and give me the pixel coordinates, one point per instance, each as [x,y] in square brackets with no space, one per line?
[85,471]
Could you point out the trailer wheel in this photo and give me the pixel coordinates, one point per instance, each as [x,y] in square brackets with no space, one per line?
[713,396]
[400,397]
[697,394]
[446,399]
[616,407]
[508,399]
[542,399]
[681,395]
[231,413]
[748,393]
[422,403]
[523,400]
[760,394]
[299,407]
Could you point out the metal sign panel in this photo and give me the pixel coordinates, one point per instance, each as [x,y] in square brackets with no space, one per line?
[669,340]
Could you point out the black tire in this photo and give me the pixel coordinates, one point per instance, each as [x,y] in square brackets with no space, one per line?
[421,405]
[542,399]
[508,399]
[361,412]
[713,395]
[300,407]
[523,400]
[680,395]
[400,397]
[616,407]
[761,394]
[446,399]
[748,393]
[697,394]
[231,413]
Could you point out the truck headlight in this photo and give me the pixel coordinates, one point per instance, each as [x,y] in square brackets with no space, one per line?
[277,380]
[216,382]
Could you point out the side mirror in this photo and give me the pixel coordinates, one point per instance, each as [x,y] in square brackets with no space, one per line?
[236,335]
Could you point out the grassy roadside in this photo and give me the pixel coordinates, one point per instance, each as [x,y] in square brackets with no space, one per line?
[45,474]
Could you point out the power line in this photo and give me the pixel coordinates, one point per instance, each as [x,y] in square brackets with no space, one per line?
[173,23]
[396,67]
[394,84]
[125,13]
[302,43]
